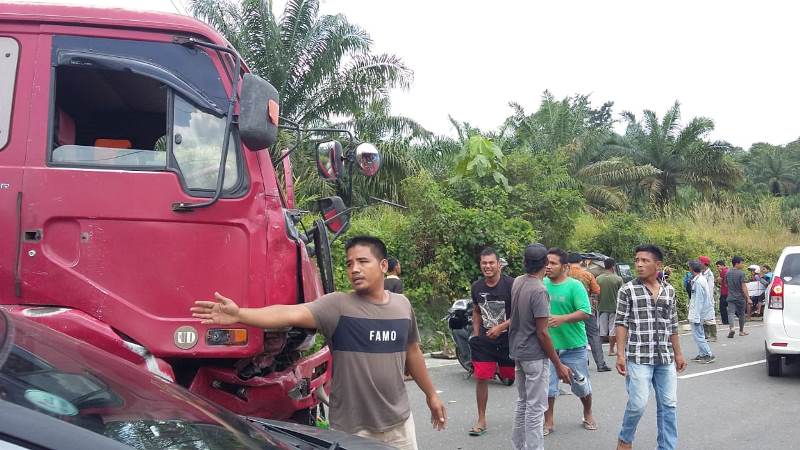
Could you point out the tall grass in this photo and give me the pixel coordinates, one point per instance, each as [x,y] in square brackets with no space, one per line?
[757,229]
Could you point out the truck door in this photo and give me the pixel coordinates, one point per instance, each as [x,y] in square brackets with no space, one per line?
[17,51]
[125,129]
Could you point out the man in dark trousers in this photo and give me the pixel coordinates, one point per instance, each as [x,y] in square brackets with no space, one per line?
[738,297]
[491,297]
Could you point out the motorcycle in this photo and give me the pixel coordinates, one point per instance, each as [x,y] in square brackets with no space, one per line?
[459,320]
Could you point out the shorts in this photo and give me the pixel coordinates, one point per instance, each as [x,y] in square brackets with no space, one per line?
[488,354]
[578,361]
[605,322]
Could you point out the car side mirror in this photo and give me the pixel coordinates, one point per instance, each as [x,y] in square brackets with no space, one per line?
[337,216]
[258,113]
[329,160]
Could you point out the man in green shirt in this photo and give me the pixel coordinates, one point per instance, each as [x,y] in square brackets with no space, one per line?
[609,283]
[569,308]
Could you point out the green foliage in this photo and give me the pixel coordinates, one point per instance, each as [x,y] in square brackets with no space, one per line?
[544,194]
[322,65]
[616,236]
[682,155]
[480,160]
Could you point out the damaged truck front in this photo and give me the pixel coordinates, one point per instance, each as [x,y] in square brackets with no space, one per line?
[134,180]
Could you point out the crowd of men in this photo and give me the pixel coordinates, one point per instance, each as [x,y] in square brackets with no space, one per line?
[536,329]
[546,321]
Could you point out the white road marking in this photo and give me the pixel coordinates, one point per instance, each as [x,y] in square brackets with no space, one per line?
[721,369]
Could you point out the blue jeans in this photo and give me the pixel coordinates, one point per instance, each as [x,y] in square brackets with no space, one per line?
[577,360]
[664,380]
[700,339]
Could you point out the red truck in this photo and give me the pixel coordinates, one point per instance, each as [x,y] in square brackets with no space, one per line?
[134,180]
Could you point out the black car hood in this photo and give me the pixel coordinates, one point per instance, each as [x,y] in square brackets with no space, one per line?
[317,436]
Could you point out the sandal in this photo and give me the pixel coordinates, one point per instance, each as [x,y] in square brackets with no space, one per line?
[743,333]
[477,431]
[548,431]
[589,425]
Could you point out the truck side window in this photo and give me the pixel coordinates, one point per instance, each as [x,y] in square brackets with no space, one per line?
[9,55]
[197,147]
[107,118]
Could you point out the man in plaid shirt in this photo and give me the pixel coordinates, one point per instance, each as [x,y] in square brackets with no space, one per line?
[648,348]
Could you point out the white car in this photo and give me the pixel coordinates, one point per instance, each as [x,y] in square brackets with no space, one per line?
[782,315]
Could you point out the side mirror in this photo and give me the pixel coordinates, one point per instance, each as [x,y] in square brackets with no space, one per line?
[258,113]
[329,160]
[337,217]
[368,159]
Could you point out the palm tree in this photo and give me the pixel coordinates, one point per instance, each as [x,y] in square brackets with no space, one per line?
[322,66]
[773,167]
[573,128]
[682,155]
[376,123]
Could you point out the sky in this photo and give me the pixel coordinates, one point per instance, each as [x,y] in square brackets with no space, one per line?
[730,61]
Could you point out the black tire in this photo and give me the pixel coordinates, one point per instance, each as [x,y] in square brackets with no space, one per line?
[774,365]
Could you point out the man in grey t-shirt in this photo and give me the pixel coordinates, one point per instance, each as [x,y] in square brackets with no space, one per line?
[373,337]
[737,296]
[530,346]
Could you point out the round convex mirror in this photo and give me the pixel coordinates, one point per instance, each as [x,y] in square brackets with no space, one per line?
[368,159]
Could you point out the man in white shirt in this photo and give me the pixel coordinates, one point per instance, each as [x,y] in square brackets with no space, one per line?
[710,326]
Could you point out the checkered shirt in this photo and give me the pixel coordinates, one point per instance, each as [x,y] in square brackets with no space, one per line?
[650,322]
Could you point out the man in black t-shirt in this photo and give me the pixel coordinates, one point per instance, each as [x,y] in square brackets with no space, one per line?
[392,282]
[491,311]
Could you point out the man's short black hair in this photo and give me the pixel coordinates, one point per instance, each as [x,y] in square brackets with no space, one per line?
[490,251]
[736,260]
[720,263]
[652,249]
[562,255]
[609,263]
[532,266]
[376,245]
[393,262]
[574,258]
[695,266]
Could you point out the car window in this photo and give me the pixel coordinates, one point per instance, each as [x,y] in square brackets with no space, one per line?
[790,270]
[197,146]
[9,55]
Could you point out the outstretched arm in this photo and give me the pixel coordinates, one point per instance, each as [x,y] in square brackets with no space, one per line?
[224,311]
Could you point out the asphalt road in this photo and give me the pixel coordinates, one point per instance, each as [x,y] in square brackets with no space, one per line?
[728,404]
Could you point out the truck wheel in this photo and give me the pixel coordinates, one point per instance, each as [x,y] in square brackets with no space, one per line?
[774,365]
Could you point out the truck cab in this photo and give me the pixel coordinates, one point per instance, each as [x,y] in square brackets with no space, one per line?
[113,215]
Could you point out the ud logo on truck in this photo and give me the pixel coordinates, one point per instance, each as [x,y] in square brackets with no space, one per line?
[185,337]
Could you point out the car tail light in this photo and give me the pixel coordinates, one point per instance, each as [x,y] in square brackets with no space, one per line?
[776,294]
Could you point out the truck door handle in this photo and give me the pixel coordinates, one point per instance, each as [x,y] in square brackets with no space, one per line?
[33,235]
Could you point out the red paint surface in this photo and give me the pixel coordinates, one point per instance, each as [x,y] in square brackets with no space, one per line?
[112,249]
